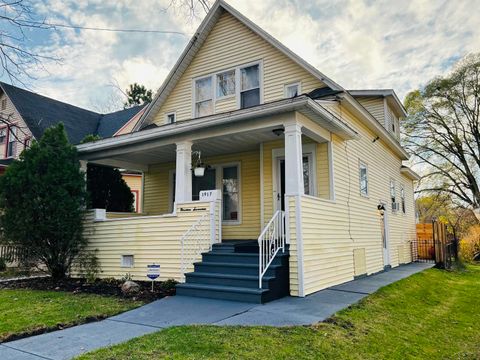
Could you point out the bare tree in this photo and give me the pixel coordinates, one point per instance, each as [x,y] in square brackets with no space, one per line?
[17,60]
[191,9]
[443,132]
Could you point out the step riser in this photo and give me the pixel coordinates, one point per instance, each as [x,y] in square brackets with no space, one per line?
[208,268]
[211,294]
[251,284]
[253,259]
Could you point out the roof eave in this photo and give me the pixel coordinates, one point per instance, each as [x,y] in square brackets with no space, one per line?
[410,173]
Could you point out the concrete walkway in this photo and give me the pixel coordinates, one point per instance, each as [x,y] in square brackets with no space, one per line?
[182,310]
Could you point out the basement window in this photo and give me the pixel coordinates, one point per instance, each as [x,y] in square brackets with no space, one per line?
[127,261]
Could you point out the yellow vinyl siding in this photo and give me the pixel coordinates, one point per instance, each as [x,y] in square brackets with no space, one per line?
[150,240]
[375,106]
[158,190]
[230,44]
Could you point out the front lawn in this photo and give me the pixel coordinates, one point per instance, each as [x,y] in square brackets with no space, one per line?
[431,315]
[25,312]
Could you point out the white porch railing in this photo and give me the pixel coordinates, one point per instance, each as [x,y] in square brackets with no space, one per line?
[196,240]
[270,242]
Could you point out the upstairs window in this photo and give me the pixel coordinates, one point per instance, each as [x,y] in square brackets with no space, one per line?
[292,90]
[12,141]
[226,84]
[4,104]
[363,179]
[249,86]
[402,198]
[203,97]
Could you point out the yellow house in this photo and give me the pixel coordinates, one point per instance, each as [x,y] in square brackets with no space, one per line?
[261,174]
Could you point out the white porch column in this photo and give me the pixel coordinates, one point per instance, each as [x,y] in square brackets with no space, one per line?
[183,175]
[293,160]
[294,188]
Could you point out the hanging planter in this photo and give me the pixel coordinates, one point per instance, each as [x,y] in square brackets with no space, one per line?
[198,166]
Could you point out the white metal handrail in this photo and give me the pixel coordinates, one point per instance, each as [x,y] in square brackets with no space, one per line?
[270,242]
[196,240]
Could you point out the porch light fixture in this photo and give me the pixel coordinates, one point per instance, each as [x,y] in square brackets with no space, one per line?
[278,132]
[381,209]
[198,165]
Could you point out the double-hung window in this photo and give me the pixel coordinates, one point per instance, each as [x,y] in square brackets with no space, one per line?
[203,97]
[393,196]
[402,198]
[363,179]
[225,84]
[12,141]
[3,135]
[249,86]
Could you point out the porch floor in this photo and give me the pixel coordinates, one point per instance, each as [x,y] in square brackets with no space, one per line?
[184,310]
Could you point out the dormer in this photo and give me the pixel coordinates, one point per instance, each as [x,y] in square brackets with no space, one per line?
[384,106]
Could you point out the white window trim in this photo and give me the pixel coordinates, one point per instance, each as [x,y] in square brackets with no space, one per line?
[174,113]
[218,185]
[403,209]
[297,83]
[238,79]
[10,141]
[365,165]
[194,93]
[392,181]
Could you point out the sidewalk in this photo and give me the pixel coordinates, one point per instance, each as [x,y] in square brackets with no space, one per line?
[182,310]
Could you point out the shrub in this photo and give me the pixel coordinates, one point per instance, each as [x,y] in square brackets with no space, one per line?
[42,203]
[470,244]
[3,264]
[89,266]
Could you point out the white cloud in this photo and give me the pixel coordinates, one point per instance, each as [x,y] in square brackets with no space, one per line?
[359,44]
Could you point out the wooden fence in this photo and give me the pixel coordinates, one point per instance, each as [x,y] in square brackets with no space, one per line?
[11,254]
[434,244]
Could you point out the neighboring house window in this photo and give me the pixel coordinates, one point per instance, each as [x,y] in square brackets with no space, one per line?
[4,104]
[402,198]
[3,135]
[27,142]
[230,189]
[226,84]
[393,197]
[12,141]
[363,179]
[171,118]
[292,90]
[203,97]
[249,86]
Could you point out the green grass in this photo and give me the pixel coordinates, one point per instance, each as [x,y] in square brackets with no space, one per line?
[431,315]
[29,311]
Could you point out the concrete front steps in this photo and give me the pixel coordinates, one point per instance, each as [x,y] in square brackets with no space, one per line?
[230,272]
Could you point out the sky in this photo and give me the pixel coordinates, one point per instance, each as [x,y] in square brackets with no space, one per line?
[360,44]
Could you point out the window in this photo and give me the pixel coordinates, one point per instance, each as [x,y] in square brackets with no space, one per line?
[363,179]
[226,84]
[27,142]
[308,186]
[4,104]
[249,86]
[402,198]
[12,141]
[292,90]
[230,189]
[393,195]
[127,261]
[203,97]
[170,118]
[3,135]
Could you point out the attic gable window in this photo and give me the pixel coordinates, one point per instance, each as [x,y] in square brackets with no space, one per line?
[225,84]
[249,86]
[203,97]
[292,90]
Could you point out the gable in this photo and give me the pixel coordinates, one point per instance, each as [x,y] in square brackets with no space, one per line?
[229,44]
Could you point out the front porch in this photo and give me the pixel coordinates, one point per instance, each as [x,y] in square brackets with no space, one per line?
[259,166]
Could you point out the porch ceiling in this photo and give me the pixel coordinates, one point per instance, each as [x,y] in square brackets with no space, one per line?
[233,143]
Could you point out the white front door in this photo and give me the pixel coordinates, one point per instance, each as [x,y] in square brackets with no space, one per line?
[385,235]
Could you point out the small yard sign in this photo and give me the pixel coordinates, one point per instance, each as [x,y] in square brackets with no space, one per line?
[153,272]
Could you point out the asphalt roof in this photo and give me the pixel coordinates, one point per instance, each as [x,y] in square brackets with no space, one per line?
[40,112]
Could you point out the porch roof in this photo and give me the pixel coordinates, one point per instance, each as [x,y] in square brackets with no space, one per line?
[192,129]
